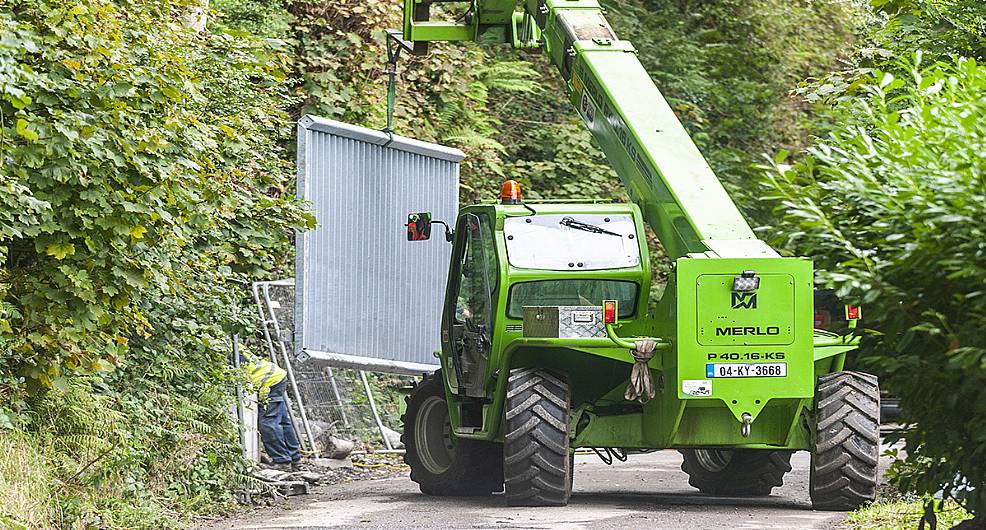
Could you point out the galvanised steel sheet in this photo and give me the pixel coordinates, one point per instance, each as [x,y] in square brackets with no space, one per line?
[365,296]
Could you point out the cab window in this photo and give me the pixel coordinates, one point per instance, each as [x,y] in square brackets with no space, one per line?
[478,273]
[573,292]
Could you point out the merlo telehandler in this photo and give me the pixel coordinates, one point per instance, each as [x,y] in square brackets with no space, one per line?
[548,343]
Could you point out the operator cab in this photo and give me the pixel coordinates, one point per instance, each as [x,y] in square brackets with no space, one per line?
[539,270]
[572,254]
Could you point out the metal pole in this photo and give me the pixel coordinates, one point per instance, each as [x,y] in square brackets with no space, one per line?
[335,392]
[246,413]
[290,370]
[373,407]
[264,322]
[239,396]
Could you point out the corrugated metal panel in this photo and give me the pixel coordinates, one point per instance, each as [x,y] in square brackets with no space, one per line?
[365,296]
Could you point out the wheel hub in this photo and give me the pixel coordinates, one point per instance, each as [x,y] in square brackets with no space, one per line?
[433,436]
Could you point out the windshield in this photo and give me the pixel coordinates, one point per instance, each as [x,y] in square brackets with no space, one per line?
[572,292]
[572,242]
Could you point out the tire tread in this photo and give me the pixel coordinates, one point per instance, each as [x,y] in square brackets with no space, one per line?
[845,463]
[536,445]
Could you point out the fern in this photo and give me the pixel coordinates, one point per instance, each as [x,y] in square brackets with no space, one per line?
[249,483]
[473,140]
[510,76]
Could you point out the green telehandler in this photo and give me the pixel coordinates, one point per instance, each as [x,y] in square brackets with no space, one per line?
[547,342]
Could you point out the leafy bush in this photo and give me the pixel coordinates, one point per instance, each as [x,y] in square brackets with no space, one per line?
[144,179]
[144,151]
[939,27]
[726,67]
[891,205]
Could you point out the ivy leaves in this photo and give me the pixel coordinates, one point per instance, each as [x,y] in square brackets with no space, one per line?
[22,127]
[60,250]
[132,147]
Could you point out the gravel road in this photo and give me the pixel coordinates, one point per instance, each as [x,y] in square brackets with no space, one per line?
[647,491]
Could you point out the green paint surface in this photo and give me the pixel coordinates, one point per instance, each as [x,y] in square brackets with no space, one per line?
[676,194]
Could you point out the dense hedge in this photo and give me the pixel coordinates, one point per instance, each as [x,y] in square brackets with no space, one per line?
[890,202]
[145,154]
[143,179]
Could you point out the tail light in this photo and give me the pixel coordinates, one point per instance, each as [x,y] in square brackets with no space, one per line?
[609,312]
[853,312]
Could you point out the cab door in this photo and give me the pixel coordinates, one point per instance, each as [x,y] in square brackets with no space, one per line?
[469,303]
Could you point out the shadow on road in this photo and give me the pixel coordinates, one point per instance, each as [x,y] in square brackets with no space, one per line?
[615,498]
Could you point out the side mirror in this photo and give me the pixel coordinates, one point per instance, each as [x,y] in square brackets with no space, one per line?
[419,226]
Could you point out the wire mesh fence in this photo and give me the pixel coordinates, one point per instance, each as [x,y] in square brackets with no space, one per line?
[334,399]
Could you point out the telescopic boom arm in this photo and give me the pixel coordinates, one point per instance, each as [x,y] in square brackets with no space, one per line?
[666,175]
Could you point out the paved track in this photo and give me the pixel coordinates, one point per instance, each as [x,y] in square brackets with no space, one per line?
[648,491]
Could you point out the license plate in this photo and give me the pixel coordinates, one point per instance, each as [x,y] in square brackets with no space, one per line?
[746,370]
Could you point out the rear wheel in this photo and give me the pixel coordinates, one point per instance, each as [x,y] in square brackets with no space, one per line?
[739,472]
[537,461]
[845,463]
[441,463]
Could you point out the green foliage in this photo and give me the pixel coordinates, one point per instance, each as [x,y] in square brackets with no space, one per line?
[145,164]
[340,60]
[936,26]
[890,203]
[726,67]
[263,18]
[903,513]
[144,180]
[900,28]
[124,455]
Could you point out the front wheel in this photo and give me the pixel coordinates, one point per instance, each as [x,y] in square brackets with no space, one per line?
[441,463]
[735,472]
[537,458]
[845,463]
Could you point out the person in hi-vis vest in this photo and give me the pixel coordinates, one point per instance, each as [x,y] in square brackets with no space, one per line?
[276,430]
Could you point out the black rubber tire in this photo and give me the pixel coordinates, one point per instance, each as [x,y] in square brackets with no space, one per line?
[845,463]
[736,472]
[474,467]
[536,453]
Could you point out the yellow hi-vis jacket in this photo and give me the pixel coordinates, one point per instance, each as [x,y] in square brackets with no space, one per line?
[264,374]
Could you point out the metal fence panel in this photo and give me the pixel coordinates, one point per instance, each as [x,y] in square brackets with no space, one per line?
[365,296]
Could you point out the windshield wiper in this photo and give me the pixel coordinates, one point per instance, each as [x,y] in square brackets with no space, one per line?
[586,227]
